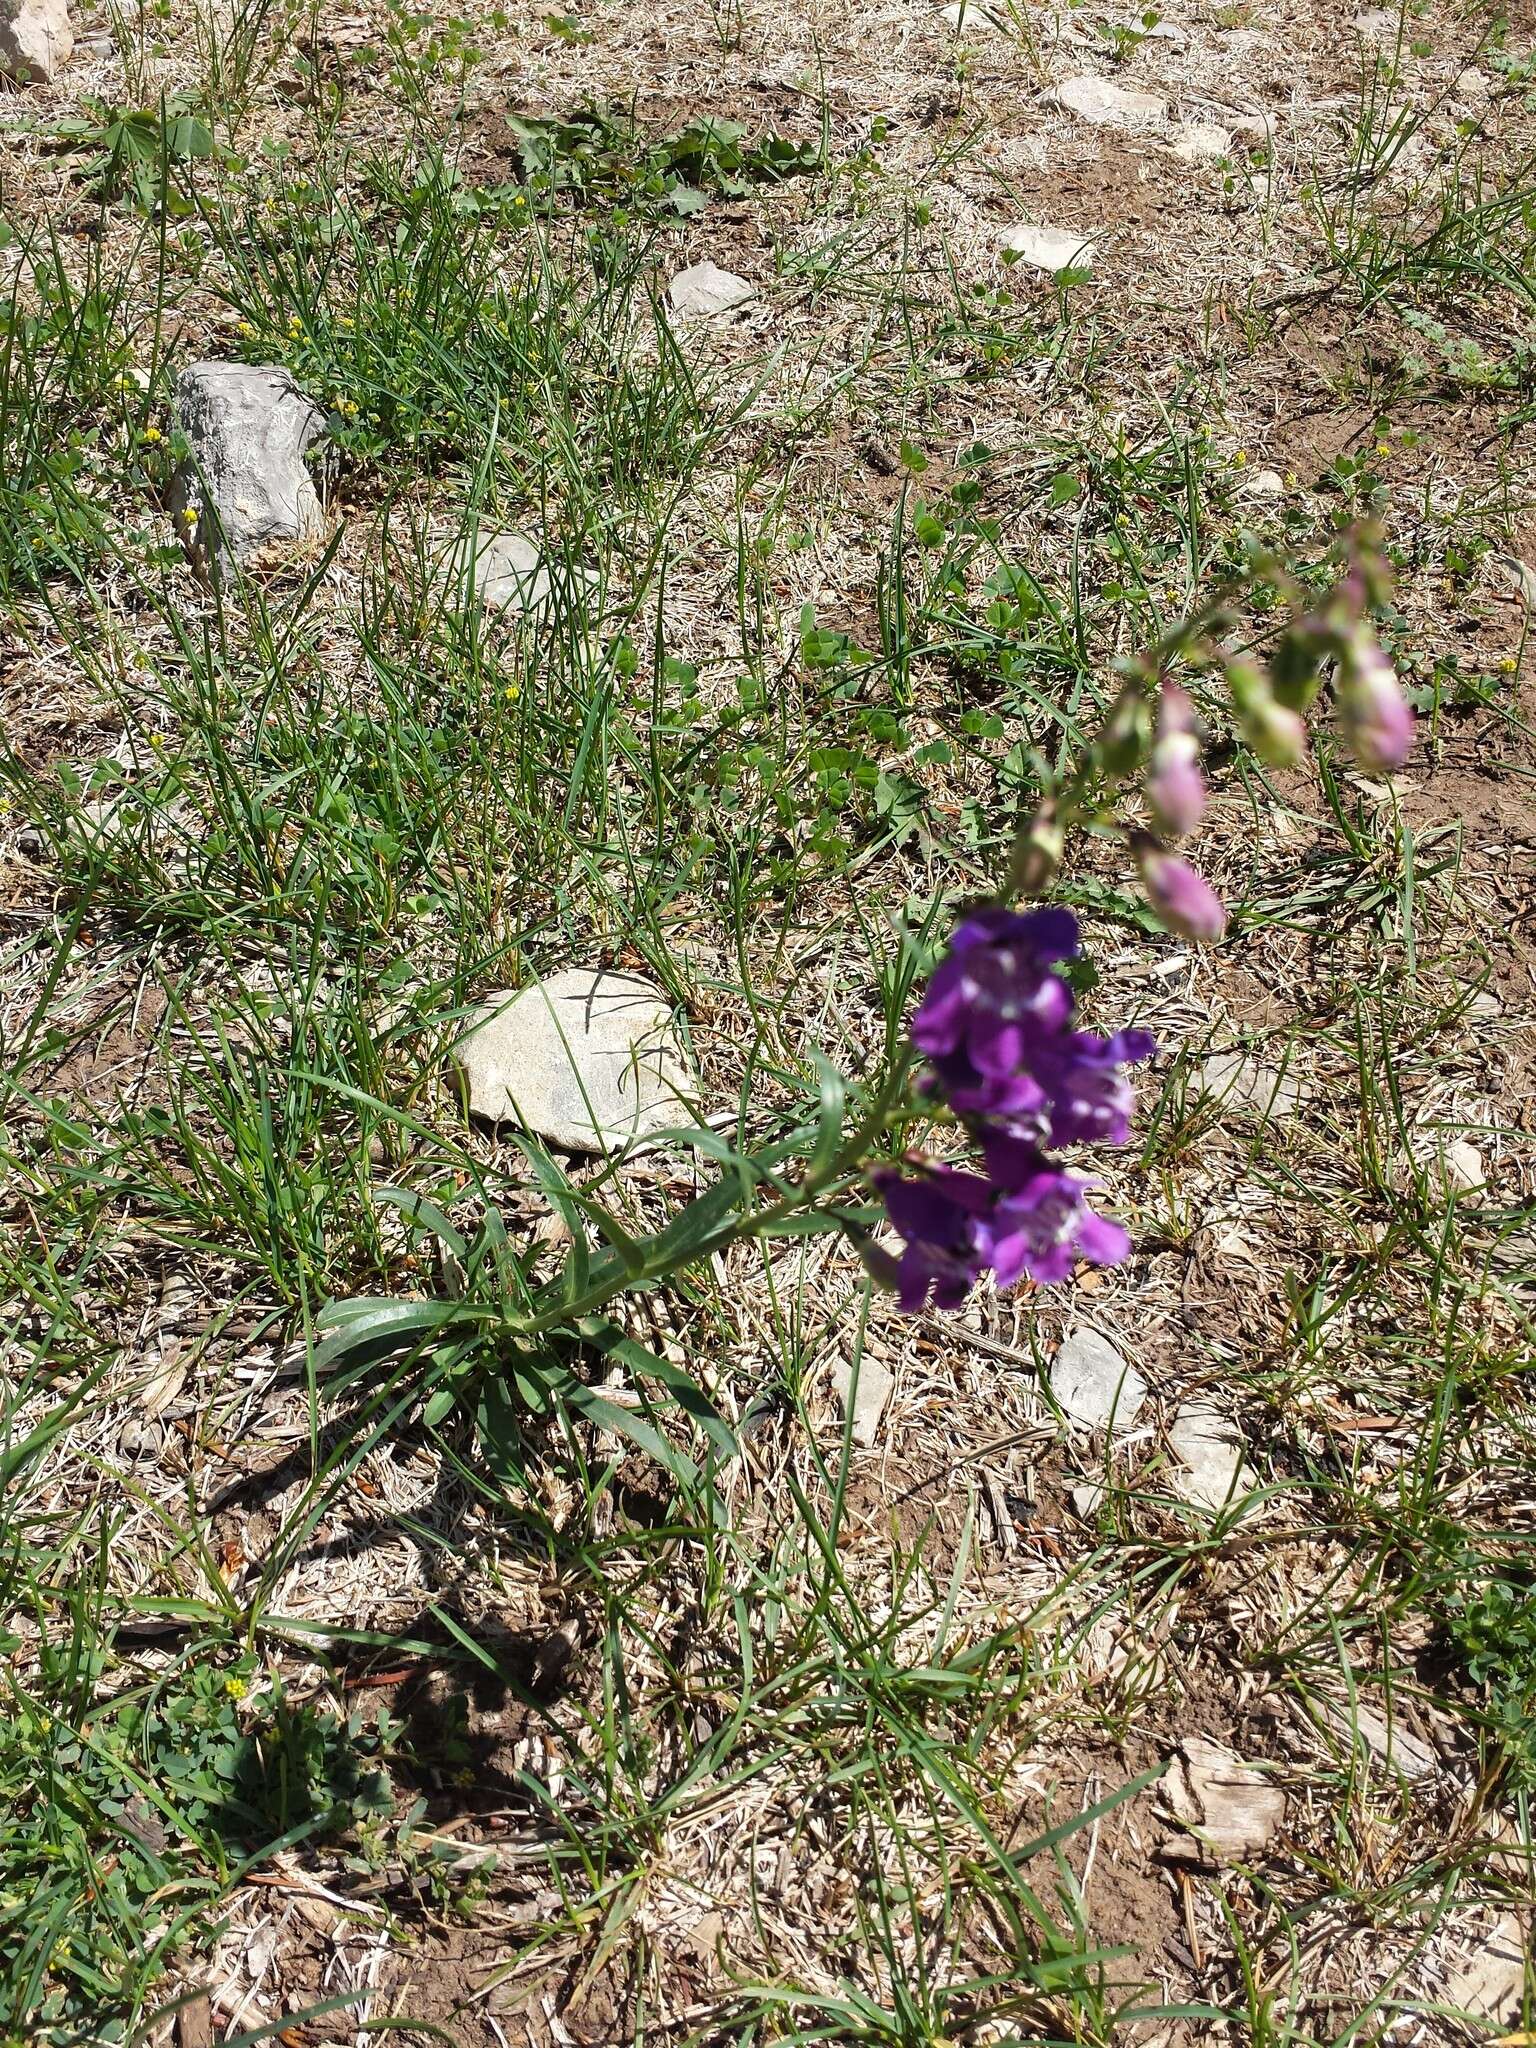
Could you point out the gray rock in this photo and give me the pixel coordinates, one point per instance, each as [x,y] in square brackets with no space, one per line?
[1240,1081]
[1210,1454]
[874,1390]
[245,484]
[1050,249]
[586,1060]
[1094,1386]
[1201,142]
[36,40]
[1111,106]
[704,290]
[1462,1168]
[510,573]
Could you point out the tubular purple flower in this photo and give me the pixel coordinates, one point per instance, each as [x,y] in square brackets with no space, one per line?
[1175,786]
[1044,1227]
[994,991]
[938,1214]
[1373,713]
[1184,900]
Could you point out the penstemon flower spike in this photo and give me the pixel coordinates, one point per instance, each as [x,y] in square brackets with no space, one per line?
[996,1027]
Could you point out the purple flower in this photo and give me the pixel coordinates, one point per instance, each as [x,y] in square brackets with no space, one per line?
[1042,1226]
[1175,786]
[1184,900]
[1029,1218]
[939,1215]
[1090,1098]
[1374,714]
[994,993]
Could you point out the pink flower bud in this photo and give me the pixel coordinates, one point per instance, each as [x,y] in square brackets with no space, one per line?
[1373,713]
[1185,901]
[1175,786]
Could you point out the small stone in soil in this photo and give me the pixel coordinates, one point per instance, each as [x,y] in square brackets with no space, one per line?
[36,40]
[1231,1806]
[1210,1455]
[245,483]
[1111,106]
[1094,1386]
[511,574]
[586,1060]
[1201,142]
[1240,1082]
[874,1390]
[704,290]
[1050,249]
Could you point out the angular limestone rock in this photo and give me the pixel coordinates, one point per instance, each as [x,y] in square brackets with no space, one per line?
[874,1390]
[704,290]
[36,40]
[245,484]
[1111,106]
[586,1060]
[1095,1387]
[1210,1455]
[1201,142]
[1051,249]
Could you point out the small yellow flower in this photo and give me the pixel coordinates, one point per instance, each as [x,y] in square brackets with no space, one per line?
[512,693]
[157,740]
[1383,447]
[189,515]
[153,434]
[1240,457]
[295,324]
[236,1688]
[1290,479]
[517,199]
[1508,665]
[246,331]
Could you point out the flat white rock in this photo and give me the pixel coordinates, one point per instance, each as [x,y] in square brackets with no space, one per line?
[586,1060]
[245,479]
[1265,483]
[1111,106]
[1201,142]
[874,1390]
[1051,249]
[1094,1386]
[1240,1081]
[1462,1166]
[1400,1750]
[1210,1455]
[1378,24]
[509,573]
[1490,1982]
[36,40]
[704,290]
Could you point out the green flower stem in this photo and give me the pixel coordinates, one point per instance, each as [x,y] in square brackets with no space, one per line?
[845,1167]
